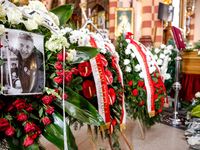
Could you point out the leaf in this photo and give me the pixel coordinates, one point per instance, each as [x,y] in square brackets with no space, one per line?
[63,12]
[52,91]
[41,112]
[84,53]
[79,108]
[1,61]
[53,132]
[17,144]
[8,117]
[196,111]
[34,117]
[19,132]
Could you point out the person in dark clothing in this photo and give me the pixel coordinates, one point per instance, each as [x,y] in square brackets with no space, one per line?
[30,64]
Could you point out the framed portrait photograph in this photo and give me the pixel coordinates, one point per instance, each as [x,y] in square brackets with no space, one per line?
[124,18]
[22,72]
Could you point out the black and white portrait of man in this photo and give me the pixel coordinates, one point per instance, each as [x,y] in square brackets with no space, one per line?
[23,70]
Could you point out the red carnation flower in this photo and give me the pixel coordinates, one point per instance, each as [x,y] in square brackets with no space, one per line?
[155,96]
[164,88]
[140,83]
[47,99]
[160,91]
[161,83]
[135,92]
[39,131]
[21,117]
[103,60]
[60,56]
[144,87]
[20,104]
[58,79]
[162,99]
[29,128]
[28,141]
[111,96]
[46,120]
[157,86]
[109,77]
[58,66]
[142,103]
[84,69]
[49,109]
[68,76]
[89,88]
[154,74]
[130,83]
[10,131]
[1,104]
[4,124]
[74,71]
[154,83]
[29,107]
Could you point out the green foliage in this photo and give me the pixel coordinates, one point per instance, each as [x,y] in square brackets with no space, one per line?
[196,111]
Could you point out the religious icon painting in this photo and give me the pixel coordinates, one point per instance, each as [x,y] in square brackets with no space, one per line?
[22,72]
[124,20]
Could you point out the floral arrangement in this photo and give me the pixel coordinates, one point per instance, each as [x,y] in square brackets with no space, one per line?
[24,118]
[135,89]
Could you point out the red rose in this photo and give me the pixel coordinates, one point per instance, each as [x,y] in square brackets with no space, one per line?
[49,110]
[68,76]
[1,104]
[46,120]
[20,104]
[4,124]
[47,99]
[140,83]
[28,141]
[10,107]
[29,128]
[119,79]
[111,96]
[84,69]
[21,117]
[89,88]
[56,90]
[65,96]
[60,56]
[58,79]
[154,74]
[10,131]
[109,77]
[74,71]
[144,87]
[160,91]
[29,107]
[135,92]
[130,83]
[58,66]
[142,103]
[155,96]
[60,73]
[157,86]
[39,131]
[103,60]
[34,135]
[37,96]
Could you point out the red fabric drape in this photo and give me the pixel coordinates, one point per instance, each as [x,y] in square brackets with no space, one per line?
[190,86]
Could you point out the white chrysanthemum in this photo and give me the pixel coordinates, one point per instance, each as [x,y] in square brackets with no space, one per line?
[170,47]
[127,51]
[53,45]
[73,39]
[193,140]
[126,61]
[128,41]
[63,31]
[133,55]
[152,69]
[2,12]
[137,68]
[14,15]
[36,5]
[167,76]
[166,51]
[103,51]
[162,46]
[55,18]
[38,19]
[141,74]
[81,36]
[2,29]
[155,57]
[81,43]
[68,29]
[73,52]
[159,62]
[128,69]
[162,56]
[30,24]
[70,57]
[157,50]
[197,95]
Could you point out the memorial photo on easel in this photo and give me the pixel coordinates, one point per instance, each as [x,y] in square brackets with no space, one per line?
[22,72]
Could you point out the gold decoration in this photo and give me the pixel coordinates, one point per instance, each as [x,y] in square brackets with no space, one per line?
[166,105]
[122,126]
[168,2]
[151,114]
[104,127]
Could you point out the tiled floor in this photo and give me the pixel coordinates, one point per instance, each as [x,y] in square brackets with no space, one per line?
[158,137]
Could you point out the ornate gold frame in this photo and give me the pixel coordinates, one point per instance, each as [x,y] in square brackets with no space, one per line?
[132,18]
